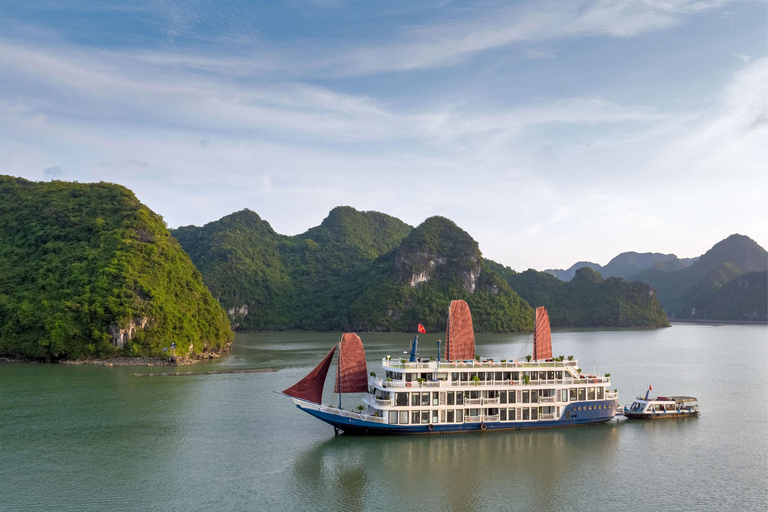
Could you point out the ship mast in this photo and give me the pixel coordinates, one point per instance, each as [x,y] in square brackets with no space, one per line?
[338,372]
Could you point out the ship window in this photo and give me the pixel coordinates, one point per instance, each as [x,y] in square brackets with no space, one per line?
[459,416]
[503,415]
[600,393]
[450,416]
[564,395]
[526,413]
[498,376]
[393,417]
[568,414]
[572,395]
[526,396]
[591,394]
[550,375]
[503,397]
[455,376]
[534,375]
[558,375]
[415,398]
[403,417]
[481,375]
[435,398]
[401,399]
[534,396]
[513,397]
[464,376]
[435,417]
[442,376]
[459,398]
[415,417]
[450,398]
[515,375]
[590,407]
[408,377]
[534,413]
[582,394]
[425,416]
[425,398]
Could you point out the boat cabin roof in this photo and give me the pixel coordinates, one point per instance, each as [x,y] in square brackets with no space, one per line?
[683,399]
[668,399]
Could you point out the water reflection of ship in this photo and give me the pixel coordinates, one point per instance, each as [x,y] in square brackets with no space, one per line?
[354,472]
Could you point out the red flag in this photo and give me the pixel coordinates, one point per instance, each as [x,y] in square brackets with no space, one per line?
[650,387]
[422,329]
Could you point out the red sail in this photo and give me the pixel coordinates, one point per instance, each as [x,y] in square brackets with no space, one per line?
[542,336]
[459,334]
[353,372]
[311,387]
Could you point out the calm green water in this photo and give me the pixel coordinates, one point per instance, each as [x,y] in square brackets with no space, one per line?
[97,438]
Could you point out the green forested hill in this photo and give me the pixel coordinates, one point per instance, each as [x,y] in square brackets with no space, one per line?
[368,271]
[587,300]
[269,281]
[436,263]
[743,298]
[356,270]
[87,270]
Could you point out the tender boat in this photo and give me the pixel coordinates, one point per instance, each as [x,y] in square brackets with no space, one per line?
[461,392]
[662,407]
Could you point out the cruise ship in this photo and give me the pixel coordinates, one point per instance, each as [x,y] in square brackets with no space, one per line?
[459,392]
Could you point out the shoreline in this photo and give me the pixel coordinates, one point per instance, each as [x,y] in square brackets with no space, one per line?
[718,322]
[125,361]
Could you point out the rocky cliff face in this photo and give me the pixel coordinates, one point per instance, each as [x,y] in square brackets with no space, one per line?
[122,335]
[438,249]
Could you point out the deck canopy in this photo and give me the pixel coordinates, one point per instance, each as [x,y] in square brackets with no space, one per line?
[542,336]
[684,399]
[311,387]
[459,334]
[352,374]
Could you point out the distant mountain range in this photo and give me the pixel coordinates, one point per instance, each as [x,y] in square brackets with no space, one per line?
[726,283]
[626,265]
[368,271]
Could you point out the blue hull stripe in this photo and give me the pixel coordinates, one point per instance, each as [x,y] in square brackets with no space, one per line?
[358,426]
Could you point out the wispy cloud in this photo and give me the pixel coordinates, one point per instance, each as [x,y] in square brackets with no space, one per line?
[198,132]
[449,42]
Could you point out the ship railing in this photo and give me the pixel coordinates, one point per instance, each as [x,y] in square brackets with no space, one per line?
[544,416]
[473,419]
[491,401]
[334,410]
[475,364]
[473,401]
[470,383]
[610,395]
[372,400]
[494,417]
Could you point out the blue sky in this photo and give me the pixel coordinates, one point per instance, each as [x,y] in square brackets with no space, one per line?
[551,131]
